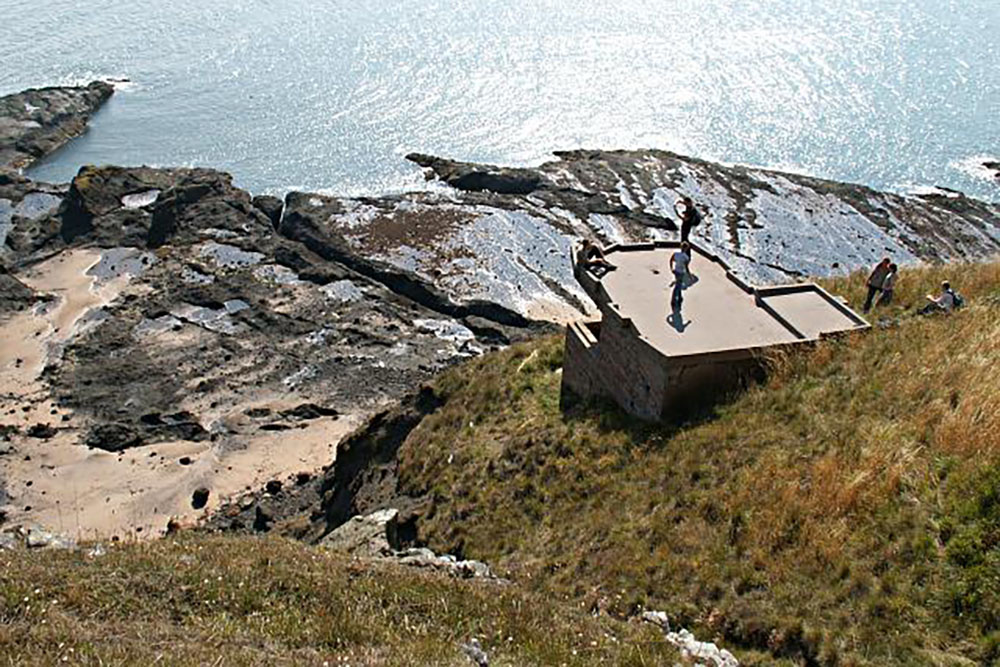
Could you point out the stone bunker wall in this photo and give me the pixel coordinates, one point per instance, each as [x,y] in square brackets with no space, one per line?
[593,368]
[614,363]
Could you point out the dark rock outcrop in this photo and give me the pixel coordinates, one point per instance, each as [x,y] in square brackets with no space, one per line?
[113,437]
[480,177]
[105,195]
[27,218]
[271,207]
[261,310]
[36,122]
[364,476]
[200,497]
[201,199]
[14,294]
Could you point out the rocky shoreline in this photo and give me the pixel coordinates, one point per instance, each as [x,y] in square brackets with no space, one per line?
[177,335]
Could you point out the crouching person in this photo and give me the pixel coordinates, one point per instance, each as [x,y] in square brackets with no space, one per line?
[945,302]
[591,257]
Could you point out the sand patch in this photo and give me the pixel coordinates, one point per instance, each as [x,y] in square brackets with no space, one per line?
[66,487]
[29,340]
[92,494]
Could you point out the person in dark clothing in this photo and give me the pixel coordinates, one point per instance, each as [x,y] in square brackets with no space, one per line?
[689,216]
[876,280]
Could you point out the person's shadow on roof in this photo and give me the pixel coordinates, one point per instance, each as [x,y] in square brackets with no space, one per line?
[676,319]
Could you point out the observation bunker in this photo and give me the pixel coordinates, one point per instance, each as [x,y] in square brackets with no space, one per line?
[658,362]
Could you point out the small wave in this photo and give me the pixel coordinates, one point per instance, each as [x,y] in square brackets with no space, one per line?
[794,168]
[121,82]
[919,190]
[975,167]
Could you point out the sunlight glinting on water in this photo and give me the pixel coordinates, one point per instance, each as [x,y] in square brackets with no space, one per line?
[332,94]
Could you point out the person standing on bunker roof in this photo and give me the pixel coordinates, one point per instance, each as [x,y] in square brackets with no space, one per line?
[679,263]
[689,215]
[875,281]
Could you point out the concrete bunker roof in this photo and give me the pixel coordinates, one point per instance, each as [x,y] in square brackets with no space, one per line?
[720,313]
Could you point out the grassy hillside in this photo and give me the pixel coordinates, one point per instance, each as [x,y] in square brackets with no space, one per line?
[248,601]
[846,512]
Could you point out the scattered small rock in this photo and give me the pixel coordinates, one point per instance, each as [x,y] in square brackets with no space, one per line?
[376,535]
[42,431]
[36,538]
[700,653]
[263,518]
[199,498]
[273,487]
[463,569]
[371,535]
[308,411]
[475,653]
[185,460]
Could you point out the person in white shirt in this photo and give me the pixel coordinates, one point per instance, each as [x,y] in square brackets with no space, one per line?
[944,303]
[680,261]
[888,285]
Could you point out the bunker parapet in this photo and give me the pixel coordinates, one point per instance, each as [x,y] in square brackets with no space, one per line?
[657,362]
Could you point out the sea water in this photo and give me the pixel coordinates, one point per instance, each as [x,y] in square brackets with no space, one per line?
[330,95]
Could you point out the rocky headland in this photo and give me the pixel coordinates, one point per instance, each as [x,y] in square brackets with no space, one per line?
[36,122]
[172,342]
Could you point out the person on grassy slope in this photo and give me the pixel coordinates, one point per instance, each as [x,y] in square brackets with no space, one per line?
[875,281]
[888,285]
[946,302]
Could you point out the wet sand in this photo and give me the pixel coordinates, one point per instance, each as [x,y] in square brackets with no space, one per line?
[87,493]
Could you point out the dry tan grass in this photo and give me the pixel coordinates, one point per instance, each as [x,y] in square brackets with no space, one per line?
[811,519]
